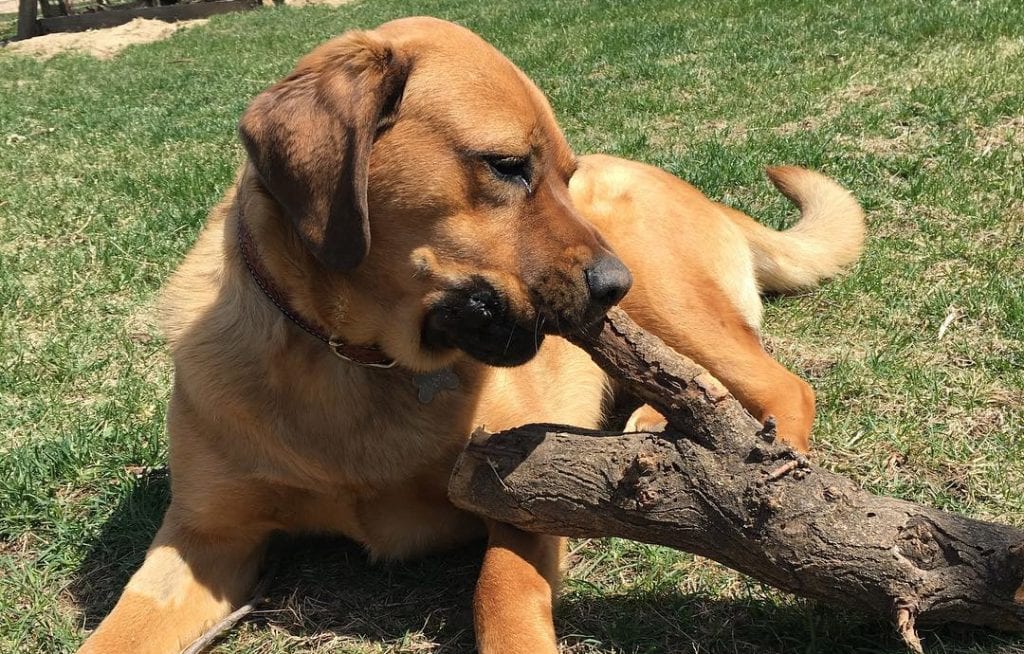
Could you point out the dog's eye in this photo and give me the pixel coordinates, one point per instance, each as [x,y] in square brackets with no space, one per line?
[510,169]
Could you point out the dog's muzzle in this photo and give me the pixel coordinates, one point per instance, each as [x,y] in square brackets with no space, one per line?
[476,319]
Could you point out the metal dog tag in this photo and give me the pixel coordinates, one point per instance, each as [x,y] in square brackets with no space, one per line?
[432,383]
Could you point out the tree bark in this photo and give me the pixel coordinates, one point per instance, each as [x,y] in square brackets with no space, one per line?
[716,483]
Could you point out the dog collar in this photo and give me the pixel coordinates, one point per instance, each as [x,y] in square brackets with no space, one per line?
[363,355]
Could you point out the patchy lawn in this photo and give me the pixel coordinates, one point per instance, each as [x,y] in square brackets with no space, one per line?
[107,169]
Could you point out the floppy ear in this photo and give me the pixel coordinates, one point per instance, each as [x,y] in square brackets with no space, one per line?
[309,137]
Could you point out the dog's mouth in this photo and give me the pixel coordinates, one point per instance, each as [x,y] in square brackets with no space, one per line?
[476,319]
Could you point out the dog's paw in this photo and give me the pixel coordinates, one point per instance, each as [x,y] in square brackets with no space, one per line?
[646,419]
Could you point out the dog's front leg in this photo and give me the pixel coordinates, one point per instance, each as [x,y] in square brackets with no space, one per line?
[515,593]
[187,583]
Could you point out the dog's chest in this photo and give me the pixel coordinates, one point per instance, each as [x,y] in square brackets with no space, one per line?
[373,430]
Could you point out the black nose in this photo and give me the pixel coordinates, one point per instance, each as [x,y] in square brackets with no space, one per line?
[608,281]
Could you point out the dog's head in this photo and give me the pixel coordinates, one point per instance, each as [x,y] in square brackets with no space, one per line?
[428,179]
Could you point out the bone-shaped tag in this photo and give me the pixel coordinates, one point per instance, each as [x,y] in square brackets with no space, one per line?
[432,383]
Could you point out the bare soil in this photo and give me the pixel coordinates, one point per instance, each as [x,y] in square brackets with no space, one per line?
[104,43]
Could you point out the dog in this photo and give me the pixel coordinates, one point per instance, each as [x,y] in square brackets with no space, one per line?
[408,236]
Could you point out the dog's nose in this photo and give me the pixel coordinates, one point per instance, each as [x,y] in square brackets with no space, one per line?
[608,280]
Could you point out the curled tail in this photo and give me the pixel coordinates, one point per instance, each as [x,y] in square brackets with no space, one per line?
[828,237]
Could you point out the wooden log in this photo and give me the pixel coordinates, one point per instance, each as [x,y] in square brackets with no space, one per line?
[716,483]
[54,8]
[28,26]
[168,13]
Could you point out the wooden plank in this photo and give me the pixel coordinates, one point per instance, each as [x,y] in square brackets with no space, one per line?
[53,8]
[170,14]
[28,26]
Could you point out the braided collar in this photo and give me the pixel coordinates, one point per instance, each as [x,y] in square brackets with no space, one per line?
[369,356]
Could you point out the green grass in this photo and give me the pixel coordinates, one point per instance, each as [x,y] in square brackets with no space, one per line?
[107,170]
[8,26]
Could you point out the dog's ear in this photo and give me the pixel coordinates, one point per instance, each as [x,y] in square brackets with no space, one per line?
[309,137]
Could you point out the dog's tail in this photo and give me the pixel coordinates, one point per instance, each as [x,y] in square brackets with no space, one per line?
[828,237]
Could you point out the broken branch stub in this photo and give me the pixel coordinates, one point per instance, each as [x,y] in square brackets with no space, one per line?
[716,484]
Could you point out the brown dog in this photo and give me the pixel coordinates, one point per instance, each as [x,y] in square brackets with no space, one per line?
[408,196]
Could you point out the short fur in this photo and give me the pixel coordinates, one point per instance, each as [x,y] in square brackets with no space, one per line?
[374,204]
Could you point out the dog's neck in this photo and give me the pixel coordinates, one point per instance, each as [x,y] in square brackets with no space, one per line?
[369,356]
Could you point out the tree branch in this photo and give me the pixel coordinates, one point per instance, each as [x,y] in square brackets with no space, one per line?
[716,483]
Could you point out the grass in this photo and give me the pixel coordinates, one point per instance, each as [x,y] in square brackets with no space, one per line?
[107,170]
[8,26]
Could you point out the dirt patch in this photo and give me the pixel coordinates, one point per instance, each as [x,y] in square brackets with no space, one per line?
[902,139]
[106,43]
[1009,131]
[102,44]
[730,133]
[1007,48]
[832,107]
[814,361]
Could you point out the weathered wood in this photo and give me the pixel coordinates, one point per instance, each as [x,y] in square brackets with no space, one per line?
[716,484]
[28,26]
[168,13]
[53,8]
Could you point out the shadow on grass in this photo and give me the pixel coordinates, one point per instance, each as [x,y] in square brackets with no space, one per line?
[323,584]
[120,547]
[328,586]
[672,622]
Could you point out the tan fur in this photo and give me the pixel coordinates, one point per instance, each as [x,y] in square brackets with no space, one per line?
[710,308]
[828,237]
[270,431]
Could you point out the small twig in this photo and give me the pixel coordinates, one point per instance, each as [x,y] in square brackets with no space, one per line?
[783,470]
[225,625]
[787,467]
[953,314]
[905,626]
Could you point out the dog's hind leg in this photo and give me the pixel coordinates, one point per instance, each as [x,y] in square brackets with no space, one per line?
[512,607]
[188,582]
